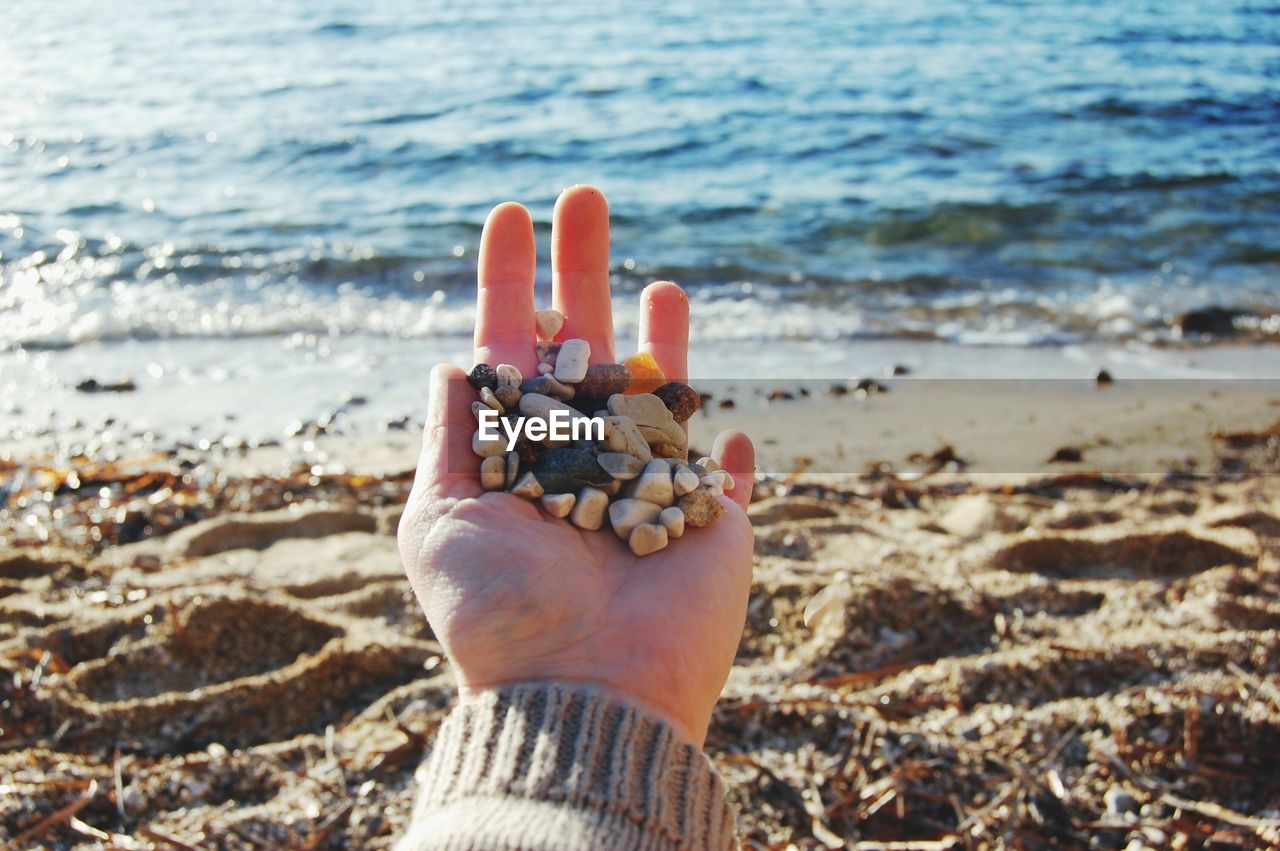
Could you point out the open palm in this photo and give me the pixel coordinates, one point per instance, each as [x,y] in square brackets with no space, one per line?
[515,595]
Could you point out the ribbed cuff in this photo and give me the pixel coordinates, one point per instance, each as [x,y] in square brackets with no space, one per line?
[561,766]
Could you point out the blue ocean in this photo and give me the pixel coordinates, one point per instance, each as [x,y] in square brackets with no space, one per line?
[1021,173]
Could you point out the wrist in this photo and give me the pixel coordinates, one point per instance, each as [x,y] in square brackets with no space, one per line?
[688,731]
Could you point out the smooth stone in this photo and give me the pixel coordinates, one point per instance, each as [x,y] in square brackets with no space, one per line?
[549,323]
[528,487]
[508,375]
[719,479]
[613,488]
[698,469]
[569,469]
[482,375]
[545,369]
[647,538]
[558,504]
[672,434]
[684,481]
[672,519]
[541,405]
[546,352]
[708,463]
[701,508]
[546,385]
[589,508]
[626,514]
[604,380]
[572,361]
[620,465]
[513,468]
[622,435]
[645,409]
[478,406]
[680,399]
[654,484]
[491,399]
[493,473]
[488,448]
[508,396]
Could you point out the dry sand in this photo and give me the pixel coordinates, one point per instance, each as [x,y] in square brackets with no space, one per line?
[1009,654]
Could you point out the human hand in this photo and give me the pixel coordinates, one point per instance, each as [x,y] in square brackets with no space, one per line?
[515,595]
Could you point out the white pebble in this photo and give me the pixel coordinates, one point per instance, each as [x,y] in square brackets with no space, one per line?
[558,504]
[528,487]
[488,448]
[626,514]
[549,323]
[545,369]
[572,361]
[672,519]
[708,463]
[647,538]
[490,400]
[588,509]
[493,473]
[685,480]
[654,484]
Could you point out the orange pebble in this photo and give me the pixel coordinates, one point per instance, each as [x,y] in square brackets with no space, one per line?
[645,375]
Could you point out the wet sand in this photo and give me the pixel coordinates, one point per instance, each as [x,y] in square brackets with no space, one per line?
[202,652]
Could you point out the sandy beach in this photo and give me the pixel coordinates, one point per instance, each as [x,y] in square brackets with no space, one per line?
[999,649]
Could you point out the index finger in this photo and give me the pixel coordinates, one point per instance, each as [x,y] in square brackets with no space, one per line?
[580,269]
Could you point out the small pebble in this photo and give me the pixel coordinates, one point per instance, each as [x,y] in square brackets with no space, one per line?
[558,504]
[547,352]
[490,399]
[644,409]
[540,405]
[708,463]
[488,448]
[528,487]
[622,435]
[654,484]
[572,361]
[547,385]
[508,375]
[700,508]
[513,469]
[647,538]
[568,469]
[549,323]
[483,375]
[603,380]
[620,465]
[589,508]
[1103,378]
[720,479]
[545,369]
[626,514]
[508,396]
[478,406]
[493,473]
[680,399]
[645,374]
[685,481]
[672,519]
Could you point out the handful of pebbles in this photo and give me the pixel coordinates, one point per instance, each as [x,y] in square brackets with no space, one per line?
[637,474]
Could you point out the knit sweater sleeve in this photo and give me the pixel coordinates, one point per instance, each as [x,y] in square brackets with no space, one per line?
[556,766]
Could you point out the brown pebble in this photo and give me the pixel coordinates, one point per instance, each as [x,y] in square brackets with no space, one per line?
[681,400]
[647,538]
[700,508]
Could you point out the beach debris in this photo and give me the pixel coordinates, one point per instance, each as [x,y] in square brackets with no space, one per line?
[1103,378]
[629,460]
[1213,321]
[1067,455]
[549,323]
[92,385]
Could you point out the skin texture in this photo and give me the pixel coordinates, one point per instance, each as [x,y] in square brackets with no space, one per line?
[515,595]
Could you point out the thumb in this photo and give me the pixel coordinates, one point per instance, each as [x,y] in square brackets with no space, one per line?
[447,459]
